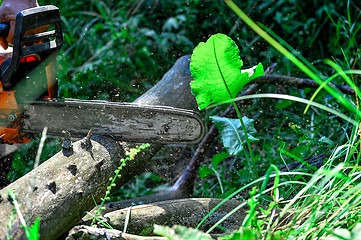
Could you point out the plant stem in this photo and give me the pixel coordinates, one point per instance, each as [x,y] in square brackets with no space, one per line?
[253,165]
[253,171]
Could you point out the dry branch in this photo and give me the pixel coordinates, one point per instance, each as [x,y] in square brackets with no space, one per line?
[186,212]
[66,184]
[86,232]
[298,82]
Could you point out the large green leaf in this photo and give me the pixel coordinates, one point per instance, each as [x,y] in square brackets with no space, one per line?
[218,158]
[216,70]
[232,133]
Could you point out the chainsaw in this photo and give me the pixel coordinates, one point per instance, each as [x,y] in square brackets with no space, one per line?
[29,95]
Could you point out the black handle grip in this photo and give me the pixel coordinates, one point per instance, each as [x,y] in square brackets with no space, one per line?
[4,29]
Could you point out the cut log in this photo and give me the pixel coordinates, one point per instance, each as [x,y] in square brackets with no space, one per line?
[187,212]
[85,232]
[65,185]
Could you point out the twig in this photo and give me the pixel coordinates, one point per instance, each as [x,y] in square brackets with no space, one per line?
[297,82]
[315,161]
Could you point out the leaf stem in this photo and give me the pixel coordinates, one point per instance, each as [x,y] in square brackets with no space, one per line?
[253,171]
[251,163]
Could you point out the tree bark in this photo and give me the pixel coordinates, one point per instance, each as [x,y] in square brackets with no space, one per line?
[86,232]
[66,184]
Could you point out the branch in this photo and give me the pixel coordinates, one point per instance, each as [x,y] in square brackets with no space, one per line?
[298,82]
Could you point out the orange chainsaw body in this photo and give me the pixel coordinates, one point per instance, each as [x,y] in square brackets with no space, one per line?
[10,122]
[28,72]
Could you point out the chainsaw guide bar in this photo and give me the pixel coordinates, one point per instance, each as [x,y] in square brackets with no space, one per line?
[127,122]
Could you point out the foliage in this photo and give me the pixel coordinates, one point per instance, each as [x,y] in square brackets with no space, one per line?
[243,233]
[304,228]
[316,212]
[115,50]
[145,184]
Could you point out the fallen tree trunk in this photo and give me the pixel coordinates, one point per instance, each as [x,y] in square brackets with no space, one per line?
[187,212]
[137,222]
[65,185]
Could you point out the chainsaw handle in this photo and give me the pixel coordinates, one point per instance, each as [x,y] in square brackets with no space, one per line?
[4,29]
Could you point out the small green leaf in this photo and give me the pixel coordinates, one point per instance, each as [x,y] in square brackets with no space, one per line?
[225,194]
[327,141]
[284,104]
[204,171]
[34,230]
[232,133]
[216,69]
[218,158]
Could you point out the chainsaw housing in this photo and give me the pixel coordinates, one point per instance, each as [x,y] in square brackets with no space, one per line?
[30,72]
